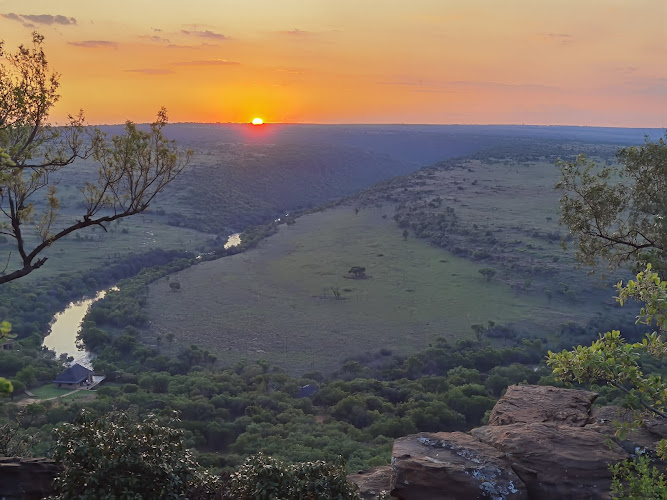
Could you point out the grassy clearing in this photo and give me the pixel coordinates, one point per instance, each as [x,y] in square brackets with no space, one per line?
[94,248]
[275,302]
[49,391]
[83,394]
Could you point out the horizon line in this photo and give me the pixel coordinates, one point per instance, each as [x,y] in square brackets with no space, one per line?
[393,124]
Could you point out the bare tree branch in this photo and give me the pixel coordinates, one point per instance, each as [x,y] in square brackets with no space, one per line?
[132,168]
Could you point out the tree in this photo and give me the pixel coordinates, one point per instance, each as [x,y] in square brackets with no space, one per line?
[618,214]
[114,457]
[358,271]
[132,168]
[611,360]
[487,273]
[13,443]
[174,285]
[6,387]
[264,478]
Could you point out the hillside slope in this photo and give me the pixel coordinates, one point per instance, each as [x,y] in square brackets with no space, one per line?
[278,301]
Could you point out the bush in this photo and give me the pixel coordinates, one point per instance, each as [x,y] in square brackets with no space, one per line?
[115,457]
[264,478]
[636,480]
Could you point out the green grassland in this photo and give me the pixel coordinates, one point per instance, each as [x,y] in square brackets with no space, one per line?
[498,213]
[49,391]
[233,181]
[93,248]
[276,302]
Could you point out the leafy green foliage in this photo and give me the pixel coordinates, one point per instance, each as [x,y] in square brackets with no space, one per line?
[6,386]
[114,457]
[13,442]
[652,291]
[611,360]
[637,480]
[487,273]
[265,478]
[133,167]
[618,213]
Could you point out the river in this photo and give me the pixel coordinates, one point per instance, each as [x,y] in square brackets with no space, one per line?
[233,240]
[66,324]
[65,327]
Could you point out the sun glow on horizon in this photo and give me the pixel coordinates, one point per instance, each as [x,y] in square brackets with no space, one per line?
[298,62]
[257,121]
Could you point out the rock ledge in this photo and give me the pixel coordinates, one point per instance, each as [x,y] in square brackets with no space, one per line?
[542,443]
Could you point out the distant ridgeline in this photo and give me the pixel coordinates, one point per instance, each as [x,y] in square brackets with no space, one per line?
[243,177]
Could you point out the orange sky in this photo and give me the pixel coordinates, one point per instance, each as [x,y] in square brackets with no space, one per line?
[577,62]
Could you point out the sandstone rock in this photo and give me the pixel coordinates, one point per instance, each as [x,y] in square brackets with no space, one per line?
[451,466]
[372,482]
[644,438]
[556,461]
[535,403]
[26,478]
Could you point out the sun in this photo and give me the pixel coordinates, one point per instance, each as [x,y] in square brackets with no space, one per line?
[257,121]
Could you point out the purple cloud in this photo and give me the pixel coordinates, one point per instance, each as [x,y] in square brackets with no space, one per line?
[205,34]
[95,44]
[154,38]
[560,38]
[48,19]
[150,71]
[208,62]
[296,32]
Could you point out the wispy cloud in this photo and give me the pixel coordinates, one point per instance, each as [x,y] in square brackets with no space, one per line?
[205,34]
[154,38]
[201,45]
[95,44]
[196,26]
[29,20]
[207,62]
[292,71]
[13,17]
[296,32]
[559,38]
[502,85]
[150,71]
[643,86]
[462,85]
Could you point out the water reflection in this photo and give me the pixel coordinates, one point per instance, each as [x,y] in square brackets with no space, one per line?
[233,240]
[65,327]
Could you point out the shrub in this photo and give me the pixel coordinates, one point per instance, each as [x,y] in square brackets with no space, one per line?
[264,478]
[115,457]
[636,480]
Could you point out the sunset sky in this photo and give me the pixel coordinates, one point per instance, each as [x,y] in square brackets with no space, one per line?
[573,62]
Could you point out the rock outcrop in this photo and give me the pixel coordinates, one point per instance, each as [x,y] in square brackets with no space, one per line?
[452,465]
[372,482]
[524,404]
[542,443]
[26,478]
